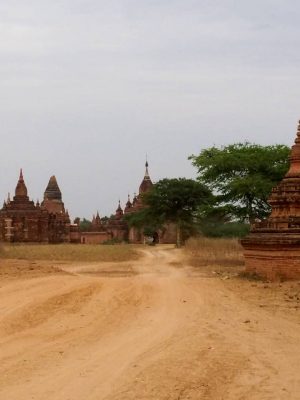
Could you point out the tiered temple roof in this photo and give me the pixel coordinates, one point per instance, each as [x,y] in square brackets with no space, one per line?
[273,247]
[53,198]
[23,221]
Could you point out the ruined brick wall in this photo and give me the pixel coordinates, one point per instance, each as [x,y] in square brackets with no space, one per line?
[94,237]
[272,264]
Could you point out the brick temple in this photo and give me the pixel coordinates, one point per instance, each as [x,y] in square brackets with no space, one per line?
[22,220]
[117,228]
[272,249]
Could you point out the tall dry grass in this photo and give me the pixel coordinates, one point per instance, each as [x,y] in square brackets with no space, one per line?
[68,252]
[214,252]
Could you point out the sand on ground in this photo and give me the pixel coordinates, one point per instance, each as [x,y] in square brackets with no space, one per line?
[154,328]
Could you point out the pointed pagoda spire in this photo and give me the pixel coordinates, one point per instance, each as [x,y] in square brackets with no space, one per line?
[98,219]
[147,176]
[135,199]
[297,140]
[52,191]
[119,211]
[119,206]
[128,204]
[146,184]
[285,197]
[21,189]
[294,170]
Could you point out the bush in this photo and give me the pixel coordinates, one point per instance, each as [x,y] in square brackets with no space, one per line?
[224,252]
[228,229]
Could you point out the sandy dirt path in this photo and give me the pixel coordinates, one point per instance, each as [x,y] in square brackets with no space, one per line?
[151,329]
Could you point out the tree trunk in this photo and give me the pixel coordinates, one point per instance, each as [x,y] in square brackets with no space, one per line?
[178,235]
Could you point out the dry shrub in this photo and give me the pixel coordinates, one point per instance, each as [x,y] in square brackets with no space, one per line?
[203,251]
[69,252]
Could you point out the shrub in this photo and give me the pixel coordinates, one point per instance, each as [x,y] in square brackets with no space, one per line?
[228,229]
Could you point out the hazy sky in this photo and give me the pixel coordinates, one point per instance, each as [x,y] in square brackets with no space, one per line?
[88,87]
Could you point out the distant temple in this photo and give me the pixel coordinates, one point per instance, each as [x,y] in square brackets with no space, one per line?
[22,220]
[272,249]
[116,228]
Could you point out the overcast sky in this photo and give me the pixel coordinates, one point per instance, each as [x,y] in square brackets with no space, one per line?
[88,87]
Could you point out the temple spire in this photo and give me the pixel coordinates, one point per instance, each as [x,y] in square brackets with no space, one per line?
[97,218]
[52,191]
[21,189]
[298,134]
[147,176]
[128,204]
[119,211]
[294,170]
[272,248]
[146,184]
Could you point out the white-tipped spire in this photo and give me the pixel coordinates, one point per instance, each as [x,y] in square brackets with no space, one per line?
[147,176]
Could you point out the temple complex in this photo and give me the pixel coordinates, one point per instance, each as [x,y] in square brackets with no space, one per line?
[117,229]
[116,226]
[165,235]
[136,235]
[96,234]
[22,220]
[272,249]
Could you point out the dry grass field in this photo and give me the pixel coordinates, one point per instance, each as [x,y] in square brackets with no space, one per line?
[221,256]
[146,323]
[68,252]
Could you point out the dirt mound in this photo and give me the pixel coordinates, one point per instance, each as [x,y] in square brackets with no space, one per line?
[23,269]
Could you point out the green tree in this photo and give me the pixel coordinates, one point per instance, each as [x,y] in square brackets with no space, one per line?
[172,201]
[144,221]
[85,225]
[242,176]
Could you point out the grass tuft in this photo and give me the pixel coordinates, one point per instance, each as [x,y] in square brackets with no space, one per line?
[203,251]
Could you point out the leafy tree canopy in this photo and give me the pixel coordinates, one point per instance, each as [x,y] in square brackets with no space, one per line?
[242,176]
[85,225]
[172,201]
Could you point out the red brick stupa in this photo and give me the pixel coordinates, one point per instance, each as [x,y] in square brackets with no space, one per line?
[272,249]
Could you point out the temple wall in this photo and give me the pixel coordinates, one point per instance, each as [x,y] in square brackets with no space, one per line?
[272,264]
[135,236]
[119,234]
[74,234]
[94,237]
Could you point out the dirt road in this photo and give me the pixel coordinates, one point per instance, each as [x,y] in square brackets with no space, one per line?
[151,329]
